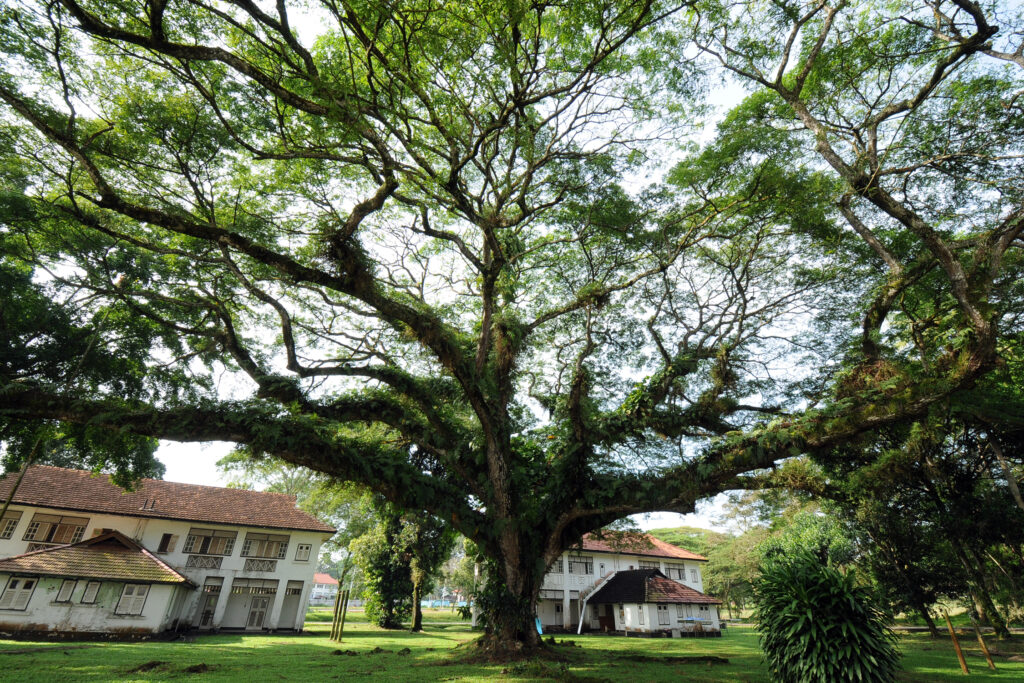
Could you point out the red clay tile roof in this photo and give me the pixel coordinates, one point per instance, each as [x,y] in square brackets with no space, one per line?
[639,544]
[648,585]
[56,487]
[111,556]
[325,578]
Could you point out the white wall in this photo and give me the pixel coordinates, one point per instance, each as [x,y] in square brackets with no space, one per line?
[149,531]
[44,614]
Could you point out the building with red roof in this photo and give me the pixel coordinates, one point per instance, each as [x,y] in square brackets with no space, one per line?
[584,588]
[78,553]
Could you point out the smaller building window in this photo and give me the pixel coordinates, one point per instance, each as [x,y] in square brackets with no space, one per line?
[558,609]
[556,567]
[293,588]
[581,565]
[302,551]
[640,613]
[10,522]
[133,599]
[646,564]
[693,576]
[91,589]
[17,593]
[679,612]
[167,543]
[675,571]
[66,589]
[663,615]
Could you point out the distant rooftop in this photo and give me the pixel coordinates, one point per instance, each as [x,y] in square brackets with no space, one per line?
[325,579]
[57,487]
[638,544]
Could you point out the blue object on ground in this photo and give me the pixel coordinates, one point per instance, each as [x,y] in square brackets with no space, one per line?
[540,631]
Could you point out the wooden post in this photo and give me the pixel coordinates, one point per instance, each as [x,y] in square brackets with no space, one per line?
[956,644]
[984,647]
[334,616]
[344,611]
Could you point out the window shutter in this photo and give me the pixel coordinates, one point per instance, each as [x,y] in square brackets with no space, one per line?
[8,597]
[91,589]
[172,543]
[21,599]
[66,589]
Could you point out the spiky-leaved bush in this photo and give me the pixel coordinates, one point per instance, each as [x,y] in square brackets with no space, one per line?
[817,624]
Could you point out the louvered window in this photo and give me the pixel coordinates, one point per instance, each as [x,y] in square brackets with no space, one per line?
[265,545]
[10,522]
[675,571]
[17,593]
[208,542]
[66,589]
[91,589]
[645,564]
[581,565]
[55,529]
[133,598]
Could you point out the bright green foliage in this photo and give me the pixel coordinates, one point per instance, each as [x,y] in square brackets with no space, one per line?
[817,623]
[384,557]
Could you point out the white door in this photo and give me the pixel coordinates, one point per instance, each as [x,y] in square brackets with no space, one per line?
[257,612]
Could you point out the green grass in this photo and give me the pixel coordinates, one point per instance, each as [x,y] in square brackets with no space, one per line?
[311,657]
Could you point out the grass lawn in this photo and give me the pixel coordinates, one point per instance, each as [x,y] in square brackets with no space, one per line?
[373,654]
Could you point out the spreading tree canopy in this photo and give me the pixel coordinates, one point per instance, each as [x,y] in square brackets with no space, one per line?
[434,247]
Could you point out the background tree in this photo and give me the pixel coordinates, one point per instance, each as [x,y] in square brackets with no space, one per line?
[409,243]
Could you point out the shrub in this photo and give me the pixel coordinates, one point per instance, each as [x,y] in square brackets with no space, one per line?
[817,624]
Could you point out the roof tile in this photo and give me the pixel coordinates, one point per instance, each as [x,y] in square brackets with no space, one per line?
[646,586]
[638,544]
[57,487]
[111,556]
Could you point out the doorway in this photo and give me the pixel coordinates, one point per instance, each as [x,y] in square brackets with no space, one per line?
[257,612]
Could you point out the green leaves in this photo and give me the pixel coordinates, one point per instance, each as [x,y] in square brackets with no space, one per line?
[817,624]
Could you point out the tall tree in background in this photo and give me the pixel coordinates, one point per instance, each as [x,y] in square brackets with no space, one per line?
[401,252]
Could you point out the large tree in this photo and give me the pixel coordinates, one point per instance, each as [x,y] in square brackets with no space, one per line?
[394,242]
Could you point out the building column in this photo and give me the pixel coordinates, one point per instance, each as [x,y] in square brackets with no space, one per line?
[222,602]
[275,609]
[566,592]
[300,617]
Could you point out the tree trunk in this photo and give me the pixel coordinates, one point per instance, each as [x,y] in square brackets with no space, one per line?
[932,628]
[979,592]
[508,605]
[417,590]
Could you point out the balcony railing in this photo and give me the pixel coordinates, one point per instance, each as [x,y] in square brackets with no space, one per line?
[253,565]
[203,562]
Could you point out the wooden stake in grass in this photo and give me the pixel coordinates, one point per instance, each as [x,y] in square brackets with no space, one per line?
[984,647]
[344,611]
[334,616]
[956,644]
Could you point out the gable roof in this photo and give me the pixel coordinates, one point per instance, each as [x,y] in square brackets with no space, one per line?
[325,579]
[111,556]
[648,585]
[57,487]
[638,544]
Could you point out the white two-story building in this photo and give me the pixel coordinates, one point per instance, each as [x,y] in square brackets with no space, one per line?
[628,583]
[80,554]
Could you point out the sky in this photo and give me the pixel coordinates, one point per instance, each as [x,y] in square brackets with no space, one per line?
[196,463]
